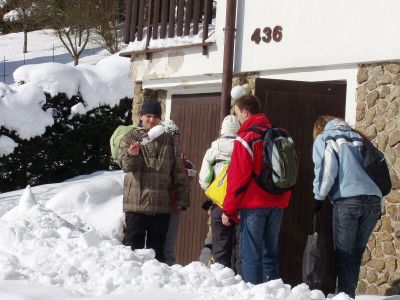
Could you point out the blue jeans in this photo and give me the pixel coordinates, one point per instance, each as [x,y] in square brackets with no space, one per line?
[259,241]
[354,219]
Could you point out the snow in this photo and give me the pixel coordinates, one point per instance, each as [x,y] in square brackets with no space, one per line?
[20,111]
[103,83]
[7,145]
[20,107]
[107,82]
[62,241]
[171,42]
[40,50]
[11,16]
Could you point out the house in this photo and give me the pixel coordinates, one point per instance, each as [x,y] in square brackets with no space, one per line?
[302,59]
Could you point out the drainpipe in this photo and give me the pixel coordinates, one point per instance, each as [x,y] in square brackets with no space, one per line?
[229,43]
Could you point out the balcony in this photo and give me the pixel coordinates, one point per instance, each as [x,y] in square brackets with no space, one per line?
[160,25]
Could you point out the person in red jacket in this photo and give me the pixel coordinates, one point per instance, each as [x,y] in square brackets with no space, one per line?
[259,212]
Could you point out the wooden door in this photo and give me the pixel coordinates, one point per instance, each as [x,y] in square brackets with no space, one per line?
[198,118]
[295,106]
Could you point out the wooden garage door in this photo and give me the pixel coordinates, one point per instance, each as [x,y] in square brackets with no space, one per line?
[295,106]
[198,118]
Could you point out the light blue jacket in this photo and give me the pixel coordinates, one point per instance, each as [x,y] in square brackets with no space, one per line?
[338,169]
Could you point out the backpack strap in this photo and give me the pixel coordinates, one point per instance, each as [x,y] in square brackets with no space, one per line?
[257,129]
[217,161]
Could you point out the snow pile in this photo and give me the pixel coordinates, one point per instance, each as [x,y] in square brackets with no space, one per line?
[97,202]
[105,83]
[20,110]
[7,145]
[40,246]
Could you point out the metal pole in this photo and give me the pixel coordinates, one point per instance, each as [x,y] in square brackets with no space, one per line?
[229,43]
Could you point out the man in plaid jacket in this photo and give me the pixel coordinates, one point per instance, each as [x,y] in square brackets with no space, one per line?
[152,172]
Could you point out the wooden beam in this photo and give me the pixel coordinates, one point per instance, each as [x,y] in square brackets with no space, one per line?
[127,22]
[155,50]
[171,21]
[181,11]
[134,20]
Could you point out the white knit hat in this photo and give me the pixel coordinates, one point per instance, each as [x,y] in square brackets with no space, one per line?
[230,125]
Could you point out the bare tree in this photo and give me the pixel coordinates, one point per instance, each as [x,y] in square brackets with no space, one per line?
[23,15]
[109,17]
[72,20]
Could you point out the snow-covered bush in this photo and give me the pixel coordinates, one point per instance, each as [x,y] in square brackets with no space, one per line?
[76,144]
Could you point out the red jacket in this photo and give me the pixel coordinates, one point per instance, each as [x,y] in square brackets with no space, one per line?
[243,191]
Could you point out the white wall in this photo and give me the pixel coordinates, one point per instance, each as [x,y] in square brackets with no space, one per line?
[317,33]
[322,40]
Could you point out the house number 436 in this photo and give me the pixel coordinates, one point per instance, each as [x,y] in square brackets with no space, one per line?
[267,35]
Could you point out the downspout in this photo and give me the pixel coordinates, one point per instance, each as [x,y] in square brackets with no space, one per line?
[228,58]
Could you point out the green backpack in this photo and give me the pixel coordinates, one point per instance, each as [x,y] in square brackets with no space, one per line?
[117,136]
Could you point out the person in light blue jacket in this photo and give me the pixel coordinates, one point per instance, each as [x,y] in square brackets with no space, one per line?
[341,177]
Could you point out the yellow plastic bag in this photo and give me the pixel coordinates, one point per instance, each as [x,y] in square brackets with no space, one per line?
[216,191]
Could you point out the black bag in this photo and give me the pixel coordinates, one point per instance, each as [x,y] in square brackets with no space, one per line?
[314,258]
[376,167]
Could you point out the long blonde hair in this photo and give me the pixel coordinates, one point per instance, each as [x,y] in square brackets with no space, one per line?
[320,123]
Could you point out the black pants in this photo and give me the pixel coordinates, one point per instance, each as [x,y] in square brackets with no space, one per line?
[156,227]
[225,242]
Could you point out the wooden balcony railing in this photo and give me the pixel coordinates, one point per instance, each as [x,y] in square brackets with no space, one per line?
[160,19]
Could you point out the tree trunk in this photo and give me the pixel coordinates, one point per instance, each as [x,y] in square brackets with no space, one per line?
[25,50]
[76,60]
[116,34]
[80,37]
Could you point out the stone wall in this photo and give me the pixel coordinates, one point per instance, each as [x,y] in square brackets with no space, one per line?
[378,108]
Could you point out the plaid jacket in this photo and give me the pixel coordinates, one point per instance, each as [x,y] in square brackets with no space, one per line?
[152,175]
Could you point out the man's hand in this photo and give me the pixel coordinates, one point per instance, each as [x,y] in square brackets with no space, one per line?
[225,220]
[134,149]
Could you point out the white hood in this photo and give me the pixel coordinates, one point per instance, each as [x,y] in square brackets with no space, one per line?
[224,147]
[221,149]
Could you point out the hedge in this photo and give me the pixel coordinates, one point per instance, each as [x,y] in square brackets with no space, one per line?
[72,146]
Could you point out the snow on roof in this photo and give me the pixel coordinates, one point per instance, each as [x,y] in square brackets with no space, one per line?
[171,42]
